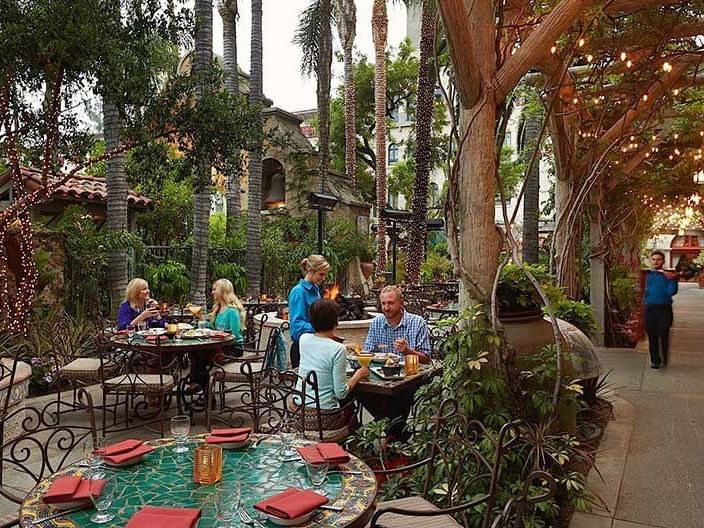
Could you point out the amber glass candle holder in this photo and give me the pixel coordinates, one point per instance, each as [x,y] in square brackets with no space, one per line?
[411,364]
[207,464]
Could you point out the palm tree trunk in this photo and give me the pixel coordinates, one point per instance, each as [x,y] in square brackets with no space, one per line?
[228,12]
[254,205]
[347,11]
[531,198]
[424,129]
[380,23]
[323,91]
[116,184]
[201,201]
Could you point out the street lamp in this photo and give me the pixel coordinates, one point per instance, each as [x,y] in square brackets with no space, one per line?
[321,202]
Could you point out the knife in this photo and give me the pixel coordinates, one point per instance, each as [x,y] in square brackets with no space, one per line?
[331,507]
[57,514]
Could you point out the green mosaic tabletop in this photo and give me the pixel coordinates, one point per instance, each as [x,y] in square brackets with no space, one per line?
[166,479]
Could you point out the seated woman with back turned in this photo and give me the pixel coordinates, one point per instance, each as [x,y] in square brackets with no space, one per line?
[328,358]
[138,307]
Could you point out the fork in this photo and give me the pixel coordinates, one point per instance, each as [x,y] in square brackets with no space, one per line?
[245,518]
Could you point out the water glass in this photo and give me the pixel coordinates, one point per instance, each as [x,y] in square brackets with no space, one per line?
[102,493]
[142,326]
[130,330]
[93,452]
[317,474]
[227,501]
[180,428]
[287,435]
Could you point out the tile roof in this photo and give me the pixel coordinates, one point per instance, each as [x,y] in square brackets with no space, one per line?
[78,187]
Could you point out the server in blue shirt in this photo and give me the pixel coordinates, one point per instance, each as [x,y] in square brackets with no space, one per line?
[660,286]
[315,271]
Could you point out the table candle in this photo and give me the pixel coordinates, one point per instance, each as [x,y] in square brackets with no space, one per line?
[411,364]
[207,464]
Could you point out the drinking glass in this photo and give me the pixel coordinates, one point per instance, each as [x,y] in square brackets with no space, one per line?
[317,474]
[227,501]
[287,434]
[130,330]
[180,428]
[93,452]
[102,493]
[142,326]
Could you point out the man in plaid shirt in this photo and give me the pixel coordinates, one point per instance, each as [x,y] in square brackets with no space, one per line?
[402,332]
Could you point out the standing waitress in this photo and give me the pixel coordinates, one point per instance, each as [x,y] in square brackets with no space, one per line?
[315,270]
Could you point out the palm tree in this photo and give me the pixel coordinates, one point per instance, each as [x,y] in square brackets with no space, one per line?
[346,26]
[531,198]
[254,204]
[380,23]
[116,184]
[201,201]
[228,12]
[424,126]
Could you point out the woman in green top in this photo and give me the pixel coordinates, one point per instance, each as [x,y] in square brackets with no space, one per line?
[228,314]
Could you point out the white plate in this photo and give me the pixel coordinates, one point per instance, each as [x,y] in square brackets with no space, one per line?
[152,332]
[291,522]
[185,326]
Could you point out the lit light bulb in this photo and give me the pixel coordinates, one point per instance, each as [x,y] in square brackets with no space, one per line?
[676,135]
[667,67]
[645,97]
[553,50]
[629,63]
[675,91]
[590,58]
[623,55]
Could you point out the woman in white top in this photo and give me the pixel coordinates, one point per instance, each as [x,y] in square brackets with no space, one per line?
[328,358]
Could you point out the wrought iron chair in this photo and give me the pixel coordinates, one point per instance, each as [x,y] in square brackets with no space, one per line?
[514,511]
[326,425]
[455,453]
[250,334]
[235,385]
[42,436]
[146,379]
[8,369]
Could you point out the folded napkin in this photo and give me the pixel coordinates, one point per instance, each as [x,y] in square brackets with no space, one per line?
[232,431]
[291,503]
[69,489]
[122,447]
[324,452]
[220,334]
[211,439]
[126,456]
[150,517]
[155,338]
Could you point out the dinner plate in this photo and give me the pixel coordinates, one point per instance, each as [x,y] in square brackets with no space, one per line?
[185,326]
[61,506]
[235,445]
[291,522]
[152,332]
[380,373]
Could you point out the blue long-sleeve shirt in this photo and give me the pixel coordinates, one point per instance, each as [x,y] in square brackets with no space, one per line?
[301,296]
[126,314]
[659,289]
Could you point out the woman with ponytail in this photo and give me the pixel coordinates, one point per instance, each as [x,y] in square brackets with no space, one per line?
[315,271]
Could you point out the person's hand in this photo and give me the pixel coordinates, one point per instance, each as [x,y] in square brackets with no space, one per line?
[401,346]
[152,311]
[361,372]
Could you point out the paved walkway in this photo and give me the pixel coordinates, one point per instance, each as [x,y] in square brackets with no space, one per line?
[652,455]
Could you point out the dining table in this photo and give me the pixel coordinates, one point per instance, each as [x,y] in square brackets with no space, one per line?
[165,479]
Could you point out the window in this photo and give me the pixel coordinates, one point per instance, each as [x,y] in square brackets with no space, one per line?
[393,153]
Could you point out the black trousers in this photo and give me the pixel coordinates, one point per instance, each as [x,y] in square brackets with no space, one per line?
[658,320]
[295,355]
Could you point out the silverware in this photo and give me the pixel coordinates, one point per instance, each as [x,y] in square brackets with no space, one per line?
[57,514]
[245,518]
[331,507]
[347,471]
[254,444]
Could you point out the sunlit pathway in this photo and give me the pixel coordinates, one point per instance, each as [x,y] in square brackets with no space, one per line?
[652,457]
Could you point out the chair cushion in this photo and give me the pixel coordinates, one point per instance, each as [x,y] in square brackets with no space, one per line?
[86,368]
[141,383]
[232,371]
[394,520]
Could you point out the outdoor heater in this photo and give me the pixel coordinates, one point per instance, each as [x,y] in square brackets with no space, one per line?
[321,202]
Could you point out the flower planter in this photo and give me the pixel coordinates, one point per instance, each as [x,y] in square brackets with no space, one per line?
[400,460]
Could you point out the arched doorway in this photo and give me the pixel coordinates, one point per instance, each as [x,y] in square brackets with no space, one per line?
[273,184]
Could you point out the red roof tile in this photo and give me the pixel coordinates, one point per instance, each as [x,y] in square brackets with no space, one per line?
[78,187]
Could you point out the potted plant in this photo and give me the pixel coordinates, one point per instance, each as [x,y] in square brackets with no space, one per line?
[367,254]
[517,297]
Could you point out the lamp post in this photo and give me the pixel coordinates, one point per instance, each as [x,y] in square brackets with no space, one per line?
[321,202]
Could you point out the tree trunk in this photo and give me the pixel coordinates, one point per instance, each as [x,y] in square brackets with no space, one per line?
[323,92]
[531,198]
[254,204]
[380,24]
[347,11]
[424,130]
[479,240]
[201,201]
[228,12]
[116,184]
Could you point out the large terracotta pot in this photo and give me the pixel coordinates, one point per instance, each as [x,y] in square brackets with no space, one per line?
[367,269]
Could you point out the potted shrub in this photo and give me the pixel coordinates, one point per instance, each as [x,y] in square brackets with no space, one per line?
[517,297]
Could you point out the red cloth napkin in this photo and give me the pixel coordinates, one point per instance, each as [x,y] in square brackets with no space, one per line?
[125,456]
[211,439]
[220,335]
[155,338]
[291,503]
[232,431]
[150,517]
[123,447]
[325,452]
[69,489]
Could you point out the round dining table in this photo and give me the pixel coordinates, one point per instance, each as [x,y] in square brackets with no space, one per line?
[165,479]
[177,346]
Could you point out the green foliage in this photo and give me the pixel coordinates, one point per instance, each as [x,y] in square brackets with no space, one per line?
[578,313]
[515,292]
[87,250]
[624,291]
[169,281]
[436,267]
[511,172]
[217,232]
[171,219]
[400,180]
[232,271]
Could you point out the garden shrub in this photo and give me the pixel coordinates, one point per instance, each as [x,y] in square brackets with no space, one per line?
[436,267]
[233,272]
[169,281]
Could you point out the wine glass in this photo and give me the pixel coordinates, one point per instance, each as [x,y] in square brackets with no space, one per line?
[227,501]
[317,474]
[102,493]
[93,452]
[287,434]
[180,428]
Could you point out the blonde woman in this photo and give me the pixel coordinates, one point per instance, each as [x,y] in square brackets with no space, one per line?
[138,307]
[315,271]
[228,313]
